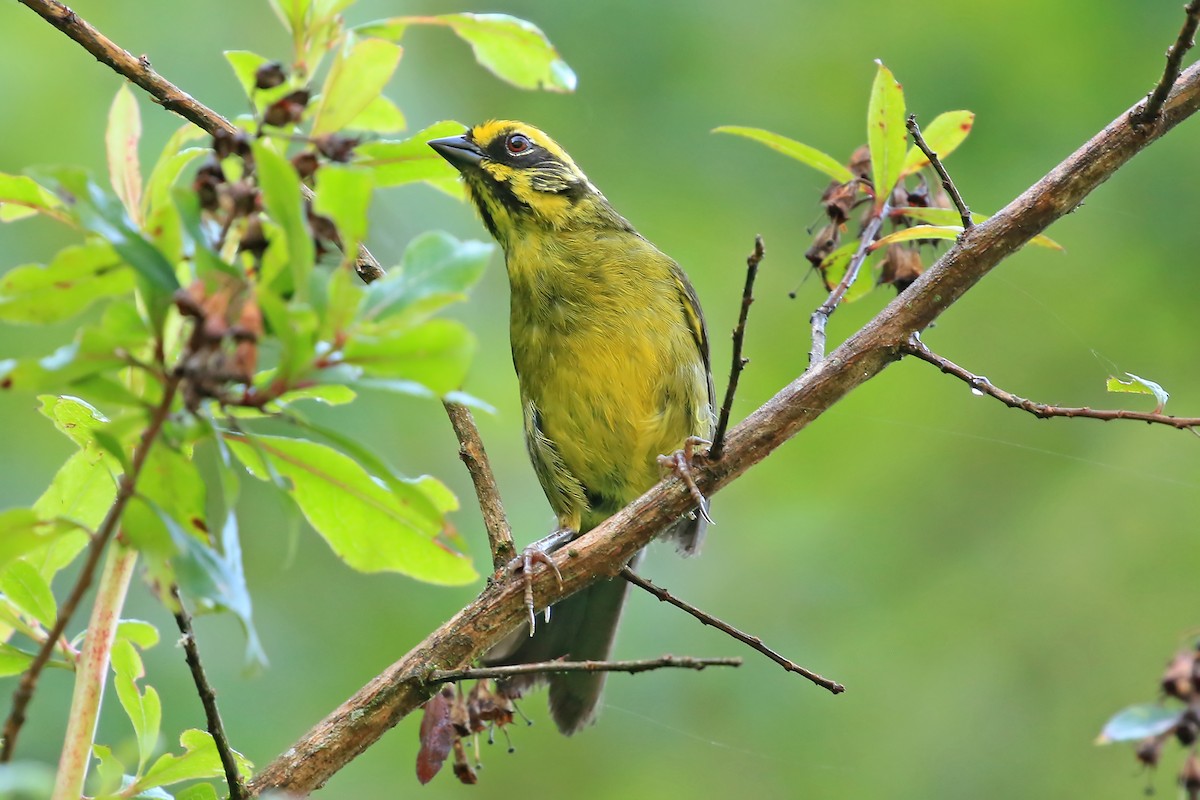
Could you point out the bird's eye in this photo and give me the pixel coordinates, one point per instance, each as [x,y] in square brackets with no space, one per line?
[518,143]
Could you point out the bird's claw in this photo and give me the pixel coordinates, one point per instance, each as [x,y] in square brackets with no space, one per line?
[524,564]
[680,464]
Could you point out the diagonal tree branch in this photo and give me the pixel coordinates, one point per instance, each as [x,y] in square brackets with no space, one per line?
[361,720]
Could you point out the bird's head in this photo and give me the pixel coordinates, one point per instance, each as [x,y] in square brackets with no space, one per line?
[518,177]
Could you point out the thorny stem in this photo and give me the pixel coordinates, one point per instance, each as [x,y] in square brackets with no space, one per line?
[739,335]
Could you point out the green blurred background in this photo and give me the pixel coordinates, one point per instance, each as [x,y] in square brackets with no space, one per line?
[989,587]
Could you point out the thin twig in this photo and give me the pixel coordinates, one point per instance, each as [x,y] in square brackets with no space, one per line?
[166,94]
[125,490]
[470,450]
[1184,42]
[547,667]
[821,316]
[914,130]
[916,347]
[208,698]
[739,336]
[752,641]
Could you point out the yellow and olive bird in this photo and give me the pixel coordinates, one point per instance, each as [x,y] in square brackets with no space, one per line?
[611,355]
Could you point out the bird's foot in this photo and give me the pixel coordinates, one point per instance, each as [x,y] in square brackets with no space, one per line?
[680,464]
[538,552]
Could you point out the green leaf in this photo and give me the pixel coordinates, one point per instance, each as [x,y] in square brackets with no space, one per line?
[1138,722]
[197,791]
[77,419]
[344,295]
[361,68]
[25,586]
[371,528]
[886,133]
[435,354]
[512,49]
[435,492]
[245,64]
[199,760]
[216,581]
[110,770]
[205,259]
[343,194]
[327,8]
[161,184]
[292,13]
[121,144]
[814,158]
[143,709]
[171,162]
[13,661]
[22,531]
[173,485]
[394,163]
[140,632]
[946,232]
[834,267]
[281,196]
[77,277]
[950,216]
[97,349]
[331,394]
[82,492]
[943,136]
[102,214]
[436,271]
[1136,385]
[21,197]
[380,116]
[296,329]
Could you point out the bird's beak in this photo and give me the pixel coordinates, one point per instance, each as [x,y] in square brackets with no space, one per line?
[458,150]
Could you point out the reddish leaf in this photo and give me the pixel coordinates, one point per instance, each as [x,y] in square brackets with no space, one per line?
[437,735]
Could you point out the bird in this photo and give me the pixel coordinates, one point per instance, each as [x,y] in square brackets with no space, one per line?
[611,353]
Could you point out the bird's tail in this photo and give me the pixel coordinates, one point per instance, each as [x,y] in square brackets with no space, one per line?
[581,628]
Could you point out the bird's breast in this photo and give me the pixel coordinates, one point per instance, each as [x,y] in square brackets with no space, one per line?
[602,349]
